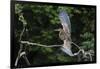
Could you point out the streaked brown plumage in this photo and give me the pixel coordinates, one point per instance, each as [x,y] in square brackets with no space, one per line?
[63,35]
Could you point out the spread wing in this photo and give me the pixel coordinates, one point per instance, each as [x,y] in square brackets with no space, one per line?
[65,21]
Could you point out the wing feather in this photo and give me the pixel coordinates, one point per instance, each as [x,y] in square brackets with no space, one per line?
[65,21]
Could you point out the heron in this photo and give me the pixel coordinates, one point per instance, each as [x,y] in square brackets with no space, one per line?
[65,33]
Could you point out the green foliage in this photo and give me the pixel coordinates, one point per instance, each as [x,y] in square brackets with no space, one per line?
[18,8]
[88,41]
[41,22]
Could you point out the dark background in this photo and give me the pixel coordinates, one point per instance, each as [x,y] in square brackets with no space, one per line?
[42,19]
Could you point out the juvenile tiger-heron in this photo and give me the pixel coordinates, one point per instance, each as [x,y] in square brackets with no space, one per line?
[65,33]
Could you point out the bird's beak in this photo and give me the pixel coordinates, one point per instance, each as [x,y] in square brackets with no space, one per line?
[56,30]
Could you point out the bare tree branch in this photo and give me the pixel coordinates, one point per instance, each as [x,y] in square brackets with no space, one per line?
[30,43]
[20,53]
[18,57]
[76,45]
[27,61]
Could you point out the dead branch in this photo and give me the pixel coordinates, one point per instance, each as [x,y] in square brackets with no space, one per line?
[36,44]
[20,53]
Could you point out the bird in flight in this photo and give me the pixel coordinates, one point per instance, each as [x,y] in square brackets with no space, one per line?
[65,33]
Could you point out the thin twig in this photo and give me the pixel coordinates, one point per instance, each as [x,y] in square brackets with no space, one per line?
[22,33]
[16,62]
[76,45]
[27,61]
[30,43]
[18,57]
[90,56]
